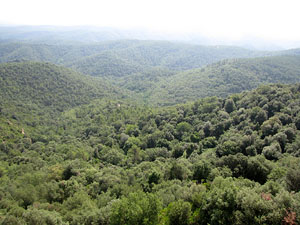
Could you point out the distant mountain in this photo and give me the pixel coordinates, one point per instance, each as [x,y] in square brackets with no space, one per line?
[295,51]
[80,34]
[144,55]
[226,77]
[125,57]
[163,72]
[56,53]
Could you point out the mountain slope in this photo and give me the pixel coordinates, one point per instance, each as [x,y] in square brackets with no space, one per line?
[124,57]
[60,53]
[227,77]
[145,55]
[48,86]
[158,71]
[107,64]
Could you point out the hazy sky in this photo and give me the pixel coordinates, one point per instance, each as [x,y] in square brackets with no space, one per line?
[271,19]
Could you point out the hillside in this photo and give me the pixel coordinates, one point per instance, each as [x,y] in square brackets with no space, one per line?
[107,64]
[145,55]
[34,87]
[59,53]
[226,77]
[176,56]
[161,72]
[124,57]
[114,162]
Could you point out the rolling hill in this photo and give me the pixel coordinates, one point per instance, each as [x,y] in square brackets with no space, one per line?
[225,77]
[37,87]
[124,57]
[163,72]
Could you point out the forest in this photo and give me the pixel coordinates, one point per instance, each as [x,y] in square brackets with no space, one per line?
[148,132]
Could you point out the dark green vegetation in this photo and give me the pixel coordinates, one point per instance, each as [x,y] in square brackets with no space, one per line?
[77,149]
[217,161]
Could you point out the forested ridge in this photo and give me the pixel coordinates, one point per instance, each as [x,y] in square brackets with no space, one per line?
[226,77]
[148,132]
[49,88]
[124,57]
[160,72]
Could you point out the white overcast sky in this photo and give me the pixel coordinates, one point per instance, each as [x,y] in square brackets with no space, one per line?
[270,19]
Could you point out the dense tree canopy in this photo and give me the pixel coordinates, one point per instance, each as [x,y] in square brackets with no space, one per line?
[217,161]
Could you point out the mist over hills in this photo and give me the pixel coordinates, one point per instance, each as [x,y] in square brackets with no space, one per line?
[87,34]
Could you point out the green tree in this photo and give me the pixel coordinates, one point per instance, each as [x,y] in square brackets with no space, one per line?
[271,126]
[179,212]
[229,105]
[138,208]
